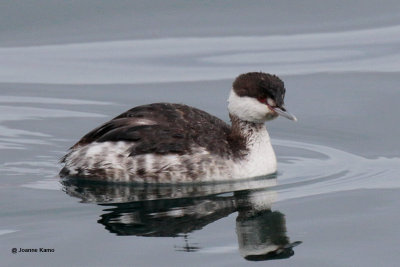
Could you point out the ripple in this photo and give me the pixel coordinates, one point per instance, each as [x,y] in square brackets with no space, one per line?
[284,57]
[47,167]
[16,108]
[337,171]
[18,113]
[48,100]
[49,184]
[4,232]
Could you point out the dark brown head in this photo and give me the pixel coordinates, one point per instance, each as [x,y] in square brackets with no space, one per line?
[261,86]
[258,97]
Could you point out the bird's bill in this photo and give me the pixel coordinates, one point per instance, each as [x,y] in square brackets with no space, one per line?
[282,111]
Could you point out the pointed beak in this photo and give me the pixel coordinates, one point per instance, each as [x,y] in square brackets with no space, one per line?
[282,111]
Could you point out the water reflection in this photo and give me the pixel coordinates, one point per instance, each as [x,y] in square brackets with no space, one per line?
[177,210]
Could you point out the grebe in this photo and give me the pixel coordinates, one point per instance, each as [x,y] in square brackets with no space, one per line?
[175,143]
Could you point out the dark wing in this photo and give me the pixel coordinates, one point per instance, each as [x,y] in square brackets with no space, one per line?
[164,128]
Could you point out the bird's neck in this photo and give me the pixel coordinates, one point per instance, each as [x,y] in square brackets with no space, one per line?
[248,134]
[256,155]
[246,129]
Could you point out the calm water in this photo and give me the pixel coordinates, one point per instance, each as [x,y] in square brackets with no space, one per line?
[67,67]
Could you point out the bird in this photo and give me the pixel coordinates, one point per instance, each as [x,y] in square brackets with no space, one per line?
[167,143]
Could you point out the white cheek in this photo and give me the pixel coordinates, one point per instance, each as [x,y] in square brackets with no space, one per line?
[247,108]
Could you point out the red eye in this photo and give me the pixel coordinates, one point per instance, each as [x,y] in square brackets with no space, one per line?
[262,100]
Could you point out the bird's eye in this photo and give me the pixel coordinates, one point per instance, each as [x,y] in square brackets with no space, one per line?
[262,100]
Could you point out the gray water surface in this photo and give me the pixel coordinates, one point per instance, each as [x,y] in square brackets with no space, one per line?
[334,200]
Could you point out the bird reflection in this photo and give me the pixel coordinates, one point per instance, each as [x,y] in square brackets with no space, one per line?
[177,210]
[188,247]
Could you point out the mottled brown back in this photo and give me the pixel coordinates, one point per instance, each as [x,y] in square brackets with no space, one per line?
[176,129]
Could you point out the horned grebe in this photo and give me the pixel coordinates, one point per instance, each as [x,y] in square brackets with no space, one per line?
[174,143]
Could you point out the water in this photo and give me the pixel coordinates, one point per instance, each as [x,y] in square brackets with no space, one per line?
[334,201]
